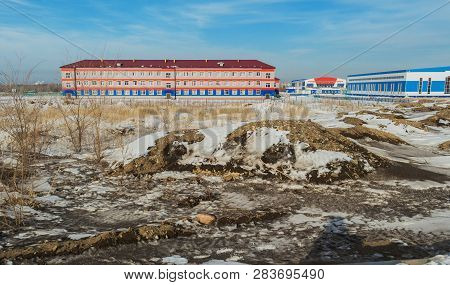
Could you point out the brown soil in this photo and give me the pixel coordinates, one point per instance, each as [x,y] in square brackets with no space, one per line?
[435,120]
[170,149]
[239,216]
[445,146]
[361,132]
[166,152]
[396,118]
[102,240]
[316,136]
[353,121]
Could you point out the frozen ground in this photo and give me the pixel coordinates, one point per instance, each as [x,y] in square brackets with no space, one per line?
[393,214]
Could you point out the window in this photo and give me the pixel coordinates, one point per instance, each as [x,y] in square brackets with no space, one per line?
[226,92]
[134,83]
[258,92]
[267,75]
[142,83]
[94,92]
[210,92]
[118,83]
[168,85]
[202,92]
[447,85]
[102,92]
[135,92]
[250,92]
[167,74]
[93,83]
[258,73]
[127,92]
[219,92]
[126,83]
[110,83]
[159,92]
[194,92]
[429,86]
[267,84]
[178,92]
[67,85]
[68,74]
[234,92]
[243,92]
[258,83]
[420,85]
[102,83]
[150,83]
[151,92]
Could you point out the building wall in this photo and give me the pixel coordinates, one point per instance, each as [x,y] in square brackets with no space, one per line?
[310,86]
[400,84]
[161,82]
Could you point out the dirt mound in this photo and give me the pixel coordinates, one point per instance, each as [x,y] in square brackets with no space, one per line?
[440,119]
[445,146]
[102,240]
[322,155]
[294,150]
[397,119]
[419,107]
[353,121]
[166,152]
[361,132]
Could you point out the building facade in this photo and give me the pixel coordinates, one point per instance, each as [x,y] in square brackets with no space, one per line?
[320,85]
[423,82]
[169,78]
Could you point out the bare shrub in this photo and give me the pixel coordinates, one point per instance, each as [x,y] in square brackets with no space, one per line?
[77,116]
[28,135]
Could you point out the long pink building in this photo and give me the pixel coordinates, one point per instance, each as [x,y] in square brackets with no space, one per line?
[169,78]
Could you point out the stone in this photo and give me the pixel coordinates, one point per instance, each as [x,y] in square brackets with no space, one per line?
[206,219]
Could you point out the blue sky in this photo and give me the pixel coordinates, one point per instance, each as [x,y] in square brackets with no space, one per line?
[301,38]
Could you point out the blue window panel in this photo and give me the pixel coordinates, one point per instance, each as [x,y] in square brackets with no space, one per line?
[437,86]
[412,86]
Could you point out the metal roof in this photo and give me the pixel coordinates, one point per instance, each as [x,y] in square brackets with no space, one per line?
[170,63]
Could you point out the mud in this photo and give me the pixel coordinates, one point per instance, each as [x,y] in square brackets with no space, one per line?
[105,239]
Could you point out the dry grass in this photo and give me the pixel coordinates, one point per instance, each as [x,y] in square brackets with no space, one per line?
[226,175]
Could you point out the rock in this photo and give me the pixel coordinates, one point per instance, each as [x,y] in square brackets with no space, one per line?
[206,219]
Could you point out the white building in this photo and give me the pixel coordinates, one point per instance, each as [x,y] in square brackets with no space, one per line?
[423,82]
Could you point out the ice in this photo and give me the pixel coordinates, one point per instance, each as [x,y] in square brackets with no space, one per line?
[436,161]
[79,236]
[439,260]
[221,262]
[175,259]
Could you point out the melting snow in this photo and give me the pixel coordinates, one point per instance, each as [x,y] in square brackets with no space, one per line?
[175,259]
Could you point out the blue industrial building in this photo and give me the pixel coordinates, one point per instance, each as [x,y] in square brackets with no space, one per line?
[422,82]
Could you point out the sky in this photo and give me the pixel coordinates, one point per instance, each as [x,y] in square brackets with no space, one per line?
[303,39]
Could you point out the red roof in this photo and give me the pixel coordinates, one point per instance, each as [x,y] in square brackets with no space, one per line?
[325,80]
[170,63]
